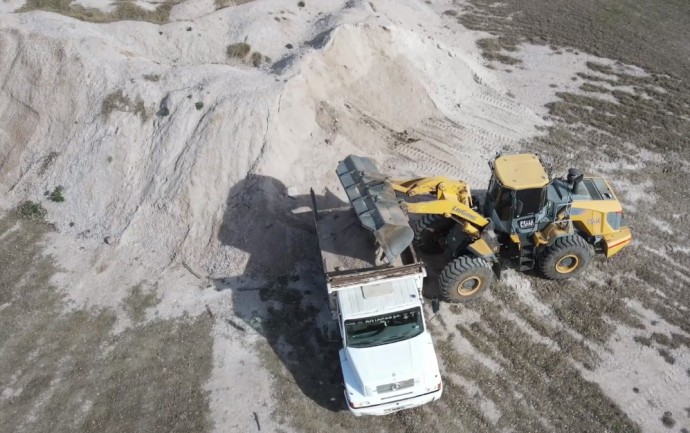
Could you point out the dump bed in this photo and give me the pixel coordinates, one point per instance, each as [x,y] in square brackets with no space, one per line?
[348,251]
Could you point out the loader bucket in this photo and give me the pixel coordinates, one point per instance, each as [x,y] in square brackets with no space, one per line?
[373,198]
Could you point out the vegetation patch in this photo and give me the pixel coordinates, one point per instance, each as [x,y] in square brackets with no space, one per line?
[241,51]
[30,210]
[118,101]
[256,59]
[56,196]
[124,11]
[238,50]
[152,77]
[220,4]
[667,420]
[65,370]
[493,50]
[138,301]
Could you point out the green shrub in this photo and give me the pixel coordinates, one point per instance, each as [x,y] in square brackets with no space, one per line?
[31,211]
[56,196]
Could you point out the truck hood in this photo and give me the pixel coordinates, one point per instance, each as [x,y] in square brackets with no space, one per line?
[394,362]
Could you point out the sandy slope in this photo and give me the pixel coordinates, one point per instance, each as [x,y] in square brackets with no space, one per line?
[351,83]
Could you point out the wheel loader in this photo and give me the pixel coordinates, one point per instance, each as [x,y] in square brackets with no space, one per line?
[525,220]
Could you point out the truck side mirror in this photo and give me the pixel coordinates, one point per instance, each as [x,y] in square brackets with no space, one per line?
[518,208]
[331,331]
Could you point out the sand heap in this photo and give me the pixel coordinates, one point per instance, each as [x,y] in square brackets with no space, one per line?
[174,152]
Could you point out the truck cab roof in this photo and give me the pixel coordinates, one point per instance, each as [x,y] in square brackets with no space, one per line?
[387,296]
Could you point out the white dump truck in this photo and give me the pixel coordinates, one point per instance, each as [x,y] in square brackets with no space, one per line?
[388,359]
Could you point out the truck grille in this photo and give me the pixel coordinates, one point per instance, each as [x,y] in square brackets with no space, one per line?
[396,386]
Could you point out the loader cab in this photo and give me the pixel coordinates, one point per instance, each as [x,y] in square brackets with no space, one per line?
[516,198]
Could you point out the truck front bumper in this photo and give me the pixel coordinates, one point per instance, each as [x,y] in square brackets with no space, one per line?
[394,406]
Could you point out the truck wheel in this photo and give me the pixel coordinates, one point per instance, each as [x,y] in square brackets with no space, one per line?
[430,232]
[567,257]
[465,278]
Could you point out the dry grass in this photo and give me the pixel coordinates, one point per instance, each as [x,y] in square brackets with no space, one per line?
[124,11]
[139,301]
[70,370]
[493,48]
[241,50]
[220,4]
[238,50]
[118,101]
[30,210]
[152,77]
[256,59]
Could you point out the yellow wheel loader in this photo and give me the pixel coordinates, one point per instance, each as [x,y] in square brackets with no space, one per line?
[525,220]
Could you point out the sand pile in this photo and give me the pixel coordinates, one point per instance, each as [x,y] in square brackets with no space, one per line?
[174,152]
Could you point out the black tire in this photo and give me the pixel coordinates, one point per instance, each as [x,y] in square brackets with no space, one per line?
[465,278]
[430,231]
[566,258]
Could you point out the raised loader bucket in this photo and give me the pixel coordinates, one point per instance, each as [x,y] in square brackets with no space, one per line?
[373,199]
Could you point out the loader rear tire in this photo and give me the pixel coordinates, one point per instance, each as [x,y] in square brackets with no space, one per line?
[430,232]
[566,258]
[465,278]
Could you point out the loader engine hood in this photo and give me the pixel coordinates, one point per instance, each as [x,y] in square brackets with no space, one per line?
[391,367]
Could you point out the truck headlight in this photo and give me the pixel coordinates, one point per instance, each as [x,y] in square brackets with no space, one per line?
[358,405]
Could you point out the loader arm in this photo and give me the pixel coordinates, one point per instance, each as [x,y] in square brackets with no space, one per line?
[453,200]
[373,198]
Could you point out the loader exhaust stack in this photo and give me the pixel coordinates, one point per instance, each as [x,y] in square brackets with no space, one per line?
[373,199]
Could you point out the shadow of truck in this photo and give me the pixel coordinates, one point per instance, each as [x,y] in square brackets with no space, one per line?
[281,292]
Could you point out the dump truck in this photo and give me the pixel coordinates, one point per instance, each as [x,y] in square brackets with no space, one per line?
[526,219]
[387,357]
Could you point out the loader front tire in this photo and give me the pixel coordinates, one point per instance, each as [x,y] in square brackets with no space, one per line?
[566,258]
[430,232]
[465,278]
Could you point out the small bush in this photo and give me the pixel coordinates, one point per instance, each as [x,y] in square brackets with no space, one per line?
[163,112]
[152,77]
[199,105]
[288,46]
[668,420]
[56,196]
[118,101]
[31,211]
[239,50]
[300,4]
[256,59]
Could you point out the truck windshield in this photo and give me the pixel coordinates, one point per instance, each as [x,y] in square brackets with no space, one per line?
[384,329]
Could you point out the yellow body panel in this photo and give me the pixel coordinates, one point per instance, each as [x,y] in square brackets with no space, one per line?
[615,242]
[522,171]
[549,234]
[590,215]
[480,248]
[516,239]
